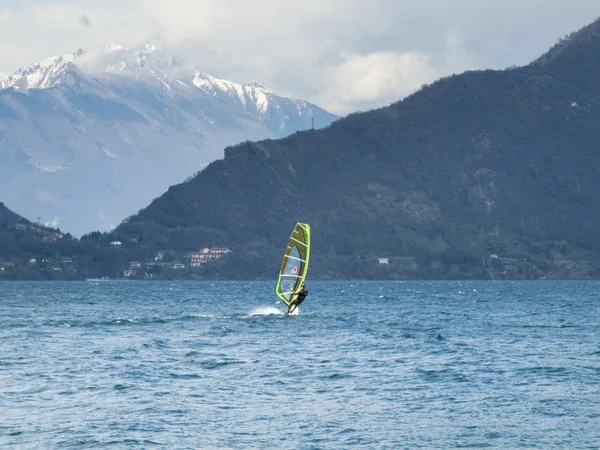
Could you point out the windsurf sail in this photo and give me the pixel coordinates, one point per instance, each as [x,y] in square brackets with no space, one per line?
[295,263]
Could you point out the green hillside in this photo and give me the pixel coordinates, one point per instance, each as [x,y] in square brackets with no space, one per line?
[487,173]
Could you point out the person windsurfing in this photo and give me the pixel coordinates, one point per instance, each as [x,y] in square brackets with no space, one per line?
[300,297]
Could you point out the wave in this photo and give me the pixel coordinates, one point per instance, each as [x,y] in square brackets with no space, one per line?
[211,364]
[184,376]
[93,443]
[336,376]
[546,370]
[441,375]
[143,321]
[265,311]
[118,321]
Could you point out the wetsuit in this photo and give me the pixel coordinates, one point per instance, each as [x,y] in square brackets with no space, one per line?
[300,297]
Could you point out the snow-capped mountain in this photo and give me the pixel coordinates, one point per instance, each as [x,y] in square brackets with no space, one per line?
[43,75]
[88,139]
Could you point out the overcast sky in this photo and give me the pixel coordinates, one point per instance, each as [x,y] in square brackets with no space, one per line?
[344,55]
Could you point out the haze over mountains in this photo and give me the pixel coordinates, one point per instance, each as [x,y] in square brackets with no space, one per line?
[88,139]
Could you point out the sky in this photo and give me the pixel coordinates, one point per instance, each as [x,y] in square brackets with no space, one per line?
[344,55]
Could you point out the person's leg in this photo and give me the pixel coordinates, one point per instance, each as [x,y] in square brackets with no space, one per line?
[292,306]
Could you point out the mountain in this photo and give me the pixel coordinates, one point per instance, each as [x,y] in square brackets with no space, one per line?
[9,218]
[30,251]
[484,174]
[86,139]
[8,221]
[22,241]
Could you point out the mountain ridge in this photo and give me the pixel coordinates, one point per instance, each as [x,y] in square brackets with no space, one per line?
[123,127]
[473,165]
[10,218]
[488,174]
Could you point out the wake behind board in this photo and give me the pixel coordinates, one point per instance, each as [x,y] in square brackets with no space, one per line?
[294,265]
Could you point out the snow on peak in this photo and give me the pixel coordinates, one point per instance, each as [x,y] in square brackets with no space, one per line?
[44,74]
[258,85]
[112,48]
[152,48]
[252,93]
[207,83]
[150,61]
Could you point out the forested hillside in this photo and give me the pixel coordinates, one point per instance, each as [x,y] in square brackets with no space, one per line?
[475,166]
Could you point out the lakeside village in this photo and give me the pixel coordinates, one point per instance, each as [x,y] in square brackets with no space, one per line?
[54,256]
[191,260]
[185,265]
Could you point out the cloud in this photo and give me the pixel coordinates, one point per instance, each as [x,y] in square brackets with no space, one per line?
[343,54]
[363,80]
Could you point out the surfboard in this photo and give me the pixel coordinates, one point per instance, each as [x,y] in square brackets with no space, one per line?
[295,264]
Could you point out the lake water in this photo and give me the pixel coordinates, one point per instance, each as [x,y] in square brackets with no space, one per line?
[365,364]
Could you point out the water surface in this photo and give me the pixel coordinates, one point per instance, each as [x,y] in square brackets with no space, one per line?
[365,364]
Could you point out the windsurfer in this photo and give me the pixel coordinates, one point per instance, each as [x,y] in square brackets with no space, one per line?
[300,297]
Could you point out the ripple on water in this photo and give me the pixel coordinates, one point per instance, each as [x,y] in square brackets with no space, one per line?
[183,365]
